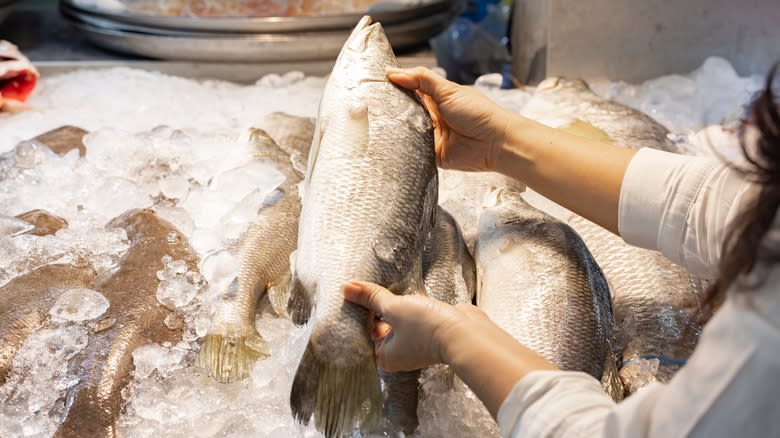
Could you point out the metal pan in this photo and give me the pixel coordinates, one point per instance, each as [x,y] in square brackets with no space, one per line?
[426,8]
[284,47]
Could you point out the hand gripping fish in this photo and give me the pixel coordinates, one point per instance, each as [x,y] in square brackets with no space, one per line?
[369,205]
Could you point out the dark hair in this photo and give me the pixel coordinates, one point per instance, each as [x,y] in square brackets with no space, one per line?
[745,247]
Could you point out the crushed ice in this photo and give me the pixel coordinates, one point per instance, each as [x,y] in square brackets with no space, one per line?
[171,144]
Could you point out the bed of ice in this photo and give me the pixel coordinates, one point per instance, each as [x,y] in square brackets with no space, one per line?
[155,137]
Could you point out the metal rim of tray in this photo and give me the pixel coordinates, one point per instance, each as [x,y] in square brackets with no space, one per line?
[232,47]
[269,24]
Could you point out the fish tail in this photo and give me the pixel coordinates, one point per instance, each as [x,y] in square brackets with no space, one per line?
[300,302]
[231,358]
[611,381]
[340,396]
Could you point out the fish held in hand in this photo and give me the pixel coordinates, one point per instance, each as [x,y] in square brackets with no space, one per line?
[232,345]
[539,282]
[369,204]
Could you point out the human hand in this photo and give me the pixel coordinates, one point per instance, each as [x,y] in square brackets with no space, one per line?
[470,129]
[414,331]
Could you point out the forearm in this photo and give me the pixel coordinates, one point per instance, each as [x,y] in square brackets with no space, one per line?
[489,360]
[580,174]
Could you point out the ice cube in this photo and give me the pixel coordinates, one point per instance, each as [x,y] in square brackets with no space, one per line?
[79,305]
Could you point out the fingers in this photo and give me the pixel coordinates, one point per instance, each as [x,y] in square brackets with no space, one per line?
[423,79]
[369,295]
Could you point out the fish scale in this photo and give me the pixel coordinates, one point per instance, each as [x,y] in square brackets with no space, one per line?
[369,203]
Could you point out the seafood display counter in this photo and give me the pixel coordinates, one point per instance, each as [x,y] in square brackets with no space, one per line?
[148,220]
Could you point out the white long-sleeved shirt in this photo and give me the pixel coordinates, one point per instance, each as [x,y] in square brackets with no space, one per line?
[730,386]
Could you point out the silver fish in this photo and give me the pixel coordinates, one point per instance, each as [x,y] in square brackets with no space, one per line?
[369,204]
[599,118]
[232,345]
[135,319]
[539,282]
[449,275]
[655,301]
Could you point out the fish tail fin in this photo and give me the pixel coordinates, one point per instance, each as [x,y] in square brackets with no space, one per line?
[300,303]
[611,381]
[231,358]
[340,396]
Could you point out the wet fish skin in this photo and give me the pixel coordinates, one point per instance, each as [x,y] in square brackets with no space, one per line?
[25,302]
[292,133]
[45,223]
[369,203]
[539,282]
[655,304]
[106,365]
[233,345]
[623,125]
[449,275]
[461,193]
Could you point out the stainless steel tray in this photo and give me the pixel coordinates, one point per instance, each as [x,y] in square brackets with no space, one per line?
[272,24]
[232,47]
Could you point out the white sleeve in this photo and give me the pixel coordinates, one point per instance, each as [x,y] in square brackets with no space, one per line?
[680,206]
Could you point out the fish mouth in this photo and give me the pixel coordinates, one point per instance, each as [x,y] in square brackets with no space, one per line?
[358,40]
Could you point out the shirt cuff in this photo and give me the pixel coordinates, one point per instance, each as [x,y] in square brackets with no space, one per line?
[656,196]
[545,402]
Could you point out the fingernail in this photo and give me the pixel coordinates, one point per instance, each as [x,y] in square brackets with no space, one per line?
[352,290]
[393,71]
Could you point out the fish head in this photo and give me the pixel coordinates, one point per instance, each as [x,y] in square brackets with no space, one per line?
[366,54]
[565,91]
[502,197]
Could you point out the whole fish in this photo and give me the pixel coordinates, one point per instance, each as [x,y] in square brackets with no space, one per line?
[593,116]
[105,367]
[369,204]
[539,282]
[655,301]
[449,275]
[232,345]
[25,302]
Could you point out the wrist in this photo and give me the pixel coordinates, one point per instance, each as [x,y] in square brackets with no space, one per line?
[512,153]
[453,339]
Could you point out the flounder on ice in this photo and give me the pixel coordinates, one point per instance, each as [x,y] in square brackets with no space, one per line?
[369,204]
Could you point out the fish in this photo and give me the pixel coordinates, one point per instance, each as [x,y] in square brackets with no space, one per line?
[368,207]
[135,318]
[655,301]
[539,282]
[449,275]
[232,345]
[25,302]
[461,193]
[43,222]
[595,117]
[18,78]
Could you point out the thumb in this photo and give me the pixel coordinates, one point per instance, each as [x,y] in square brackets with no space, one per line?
[423,79]
[369,295]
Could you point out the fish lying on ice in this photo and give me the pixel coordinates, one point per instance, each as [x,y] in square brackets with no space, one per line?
[25,302]
[369,204]
[449,275]
[17,78]
[538,281]
[135,318]
[232,345]
[292,133]
[655,302]
[593,116]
